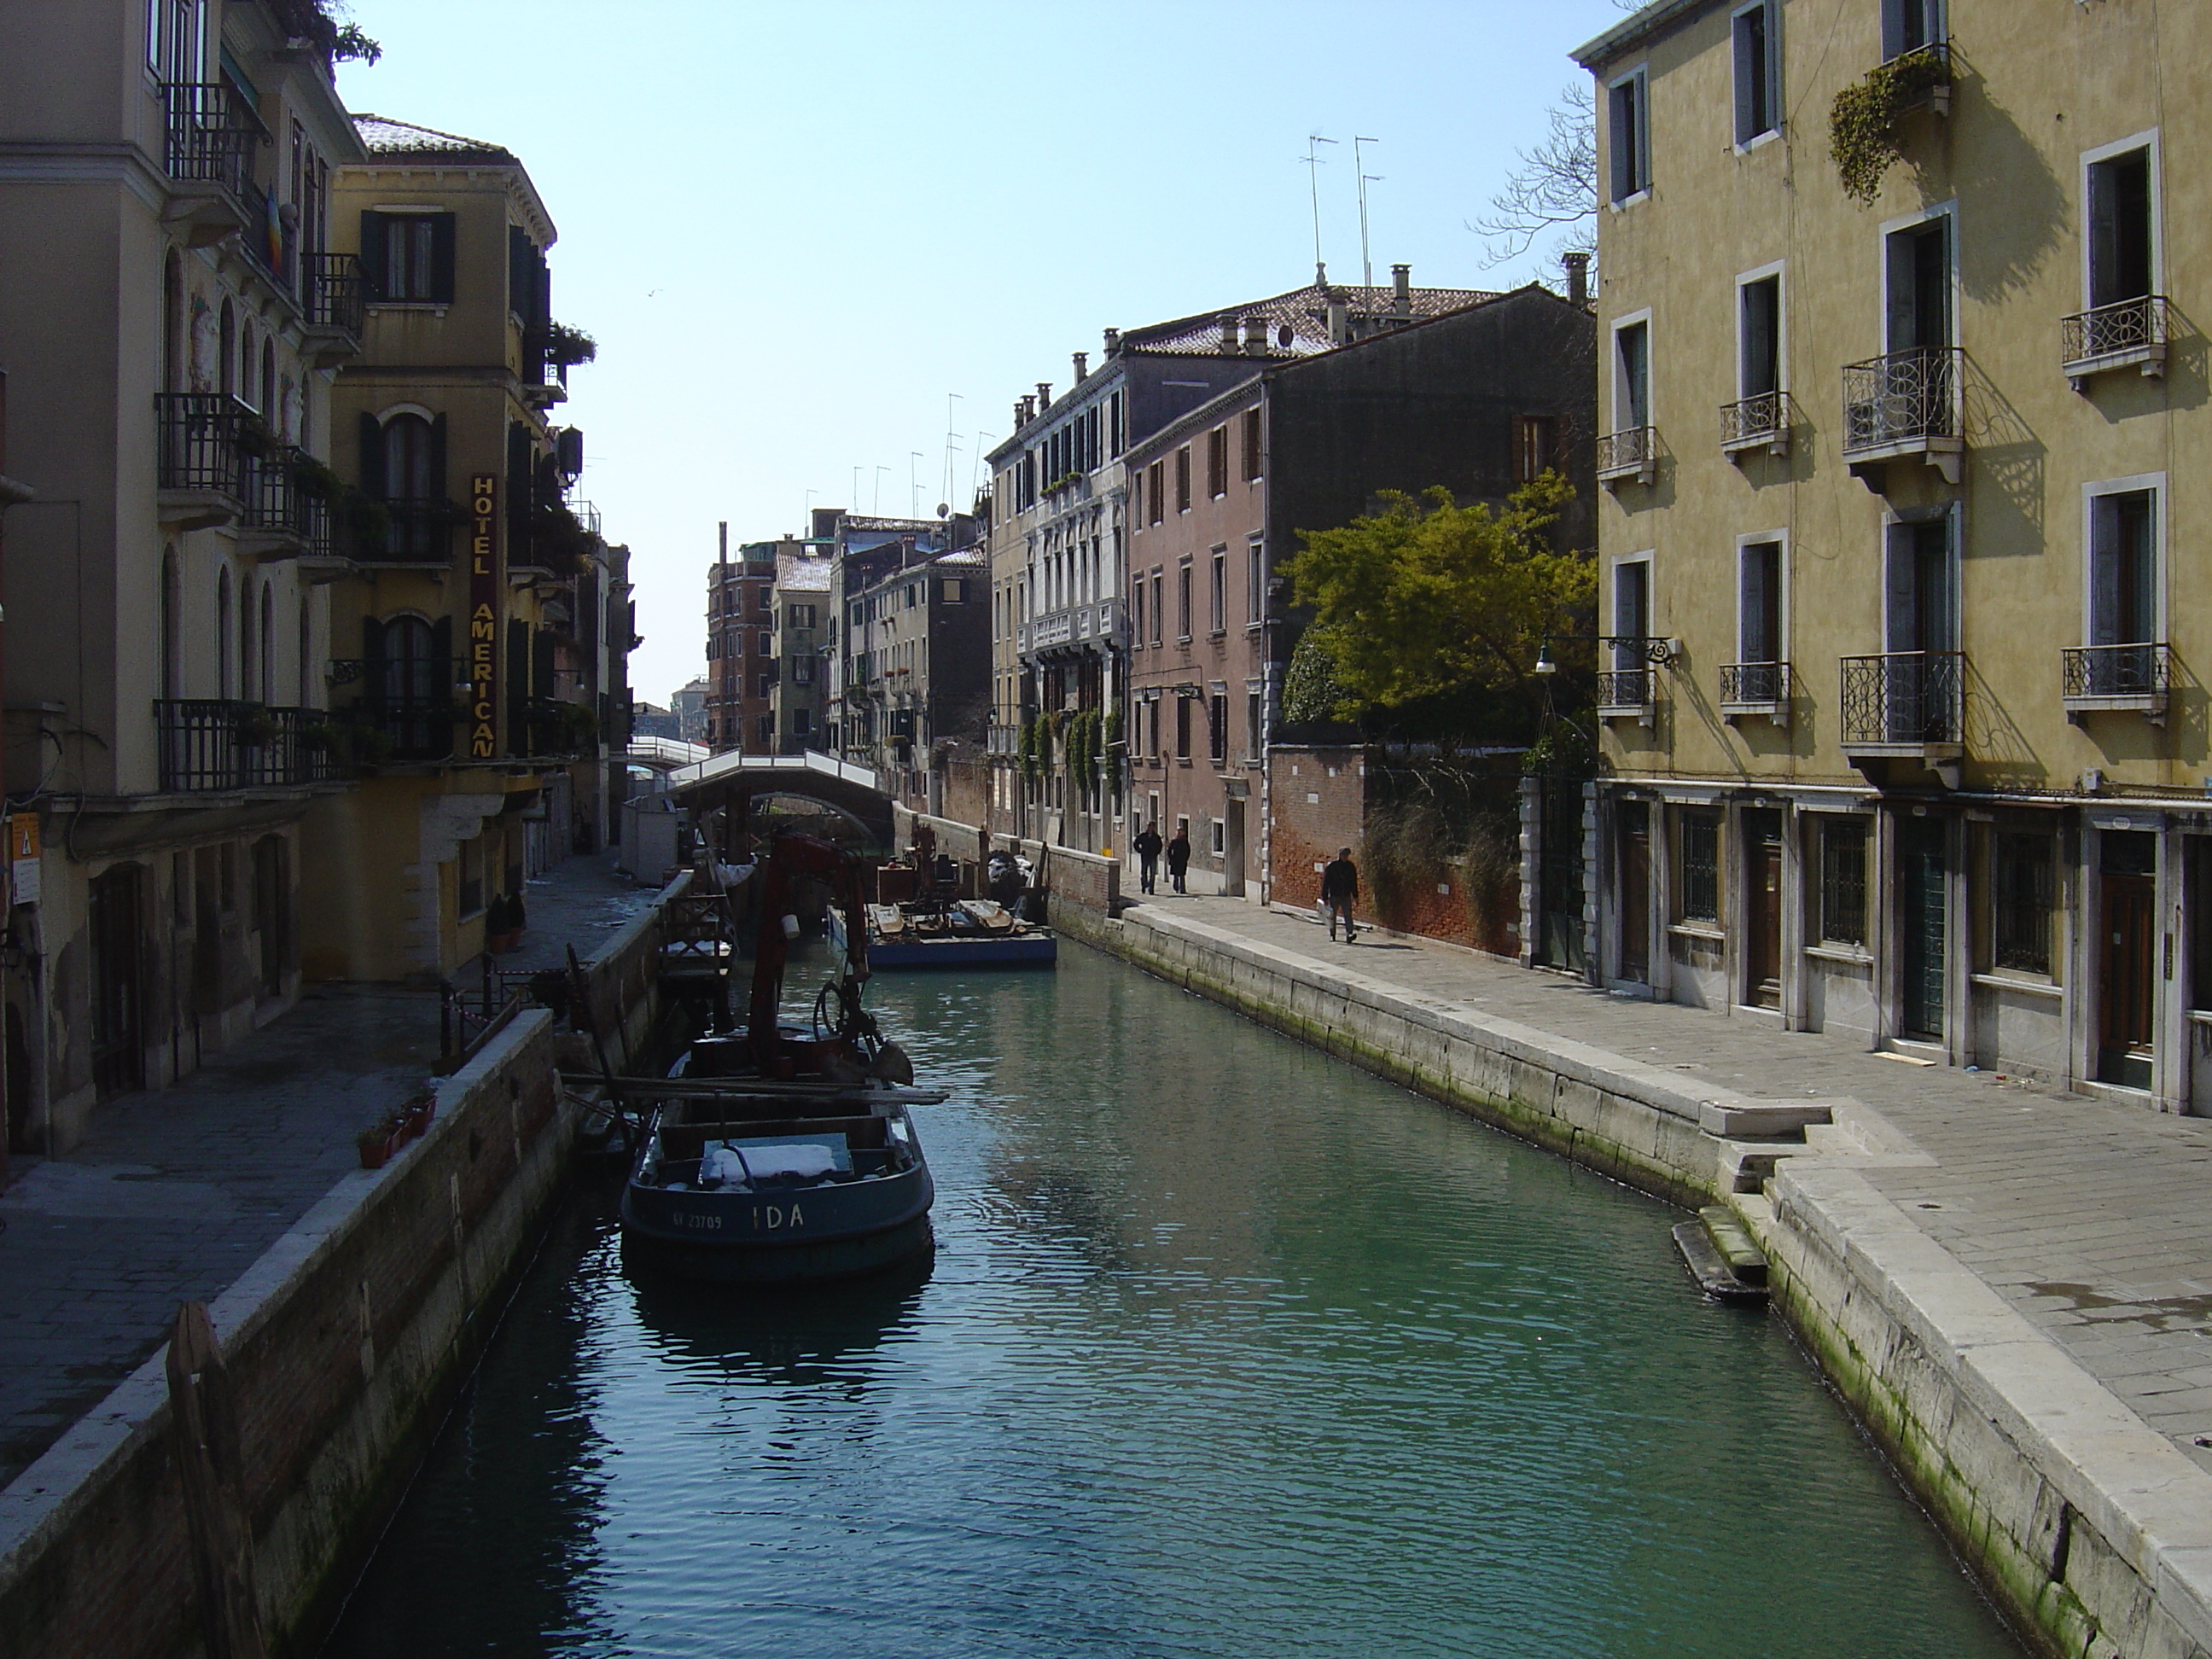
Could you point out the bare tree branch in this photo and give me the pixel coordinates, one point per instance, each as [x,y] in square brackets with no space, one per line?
[1553,188]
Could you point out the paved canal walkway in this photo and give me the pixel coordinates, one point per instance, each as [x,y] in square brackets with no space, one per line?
[2092,1218]
[175,1192]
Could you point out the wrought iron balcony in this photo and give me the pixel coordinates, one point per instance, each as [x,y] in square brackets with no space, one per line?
[1905,404]
[332,290]
[1761,421]
[1632,452]
[197,439]
[283,515]
[1904,703]
[2125,678]
[1756,688]
[1624,692]
[221,744]
[412,530]
[212,135]
[2132,333]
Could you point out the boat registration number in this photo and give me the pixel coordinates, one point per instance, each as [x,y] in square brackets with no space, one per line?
[766,1219]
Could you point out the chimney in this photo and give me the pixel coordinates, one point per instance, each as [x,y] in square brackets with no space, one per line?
[1578,267]
[1255,335]
[723,557]
[1339,320]
[1021,413]
[1044,396]
[1082,366]
[1113,342]
[1401,292]
[1228,333]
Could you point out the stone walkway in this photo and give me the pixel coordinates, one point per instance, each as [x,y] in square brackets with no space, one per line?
[174,1193]
[2092,1218]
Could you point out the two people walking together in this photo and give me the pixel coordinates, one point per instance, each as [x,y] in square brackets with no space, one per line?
[1148,848]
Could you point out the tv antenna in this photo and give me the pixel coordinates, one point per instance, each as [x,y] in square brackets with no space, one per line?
[975,467]
[1366,265]
[913,478]
[877,508]
[1314,162]
[951,398]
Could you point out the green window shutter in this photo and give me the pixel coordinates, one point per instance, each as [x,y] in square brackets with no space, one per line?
[372,256]
[372,457]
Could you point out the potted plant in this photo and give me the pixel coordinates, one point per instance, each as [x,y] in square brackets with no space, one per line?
[416,1114]
[377,1142]
[254,726]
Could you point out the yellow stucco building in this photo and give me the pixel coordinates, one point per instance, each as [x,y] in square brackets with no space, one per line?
[1903,729]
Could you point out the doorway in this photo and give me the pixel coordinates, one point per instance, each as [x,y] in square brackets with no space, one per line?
[118,1052]
[1635,891]
[2127,994]
[1762,846]
[1233,849]
[1923,898]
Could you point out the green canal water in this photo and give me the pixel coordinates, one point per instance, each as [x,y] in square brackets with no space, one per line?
[1226,1350]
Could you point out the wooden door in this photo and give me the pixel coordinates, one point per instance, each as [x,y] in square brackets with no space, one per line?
[1921,900]
[1636,892]
[117,1056]
[2127,993]
[1762,838]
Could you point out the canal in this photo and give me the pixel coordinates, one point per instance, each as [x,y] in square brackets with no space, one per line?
[1227,1349]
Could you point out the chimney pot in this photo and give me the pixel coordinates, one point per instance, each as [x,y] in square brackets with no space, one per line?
[1082,365]
[1044,396]
[1339,320]
[1578,267]
[1113,342]
[1255,335]
[1401,291]
[1228,332]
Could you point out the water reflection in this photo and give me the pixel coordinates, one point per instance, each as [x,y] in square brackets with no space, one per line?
[1225,1350]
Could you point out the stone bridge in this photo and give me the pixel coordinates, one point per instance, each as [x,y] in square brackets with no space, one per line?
[853,792]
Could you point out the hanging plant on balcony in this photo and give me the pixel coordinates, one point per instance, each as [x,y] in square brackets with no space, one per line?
[255,438]
[254,726]
[566,347]
[316,480]
[320,738]
[1028,749]
[1862,121]
[1113,727]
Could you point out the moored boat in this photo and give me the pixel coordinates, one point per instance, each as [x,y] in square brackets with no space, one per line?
[959,933]
[782,1153]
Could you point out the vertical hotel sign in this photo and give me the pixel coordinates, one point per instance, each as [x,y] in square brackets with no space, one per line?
[484,617]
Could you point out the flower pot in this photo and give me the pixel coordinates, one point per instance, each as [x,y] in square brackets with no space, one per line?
[415,1116]
[377,1145]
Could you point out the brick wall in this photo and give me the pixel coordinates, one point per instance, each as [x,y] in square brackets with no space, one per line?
[1318,798]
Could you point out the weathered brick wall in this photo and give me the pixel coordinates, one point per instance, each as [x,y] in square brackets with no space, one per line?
[1318,800]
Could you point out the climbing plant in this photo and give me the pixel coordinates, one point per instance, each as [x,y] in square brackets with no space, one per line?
[1862,121]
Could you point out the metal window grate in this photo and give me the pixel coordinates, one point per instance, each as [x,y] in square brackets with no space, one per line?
[1701,867]
[1843,883]
[2023,902]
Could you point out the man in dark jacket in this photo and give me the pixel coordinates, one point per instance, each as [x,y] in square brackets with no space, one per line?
[1148,849]
[1179,856]
[1340,885]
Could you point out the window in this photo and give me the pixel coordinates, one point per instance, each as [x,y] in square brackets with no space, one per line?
[1909,25]
[1628,136]
[1218,591]
[1256,582]
[1217,461]
[1843,881]
[2020,928]
[955,590]
[802,722]
[766,682]
[1218,838]
[1137,611]
[802,671]
[2123,586]
[1701,871]
[1758,71]
[1217,727]
[1160,604]
[1758,618]
[1535,446]
[1255,747]
[1182,597]
[1632,380]
[1115,433]
[764,731]
[768,645]
[1153,492]
[1632,598]
[1182,479]
[1251,445]
[798,616]
[2123,243]
[1759,337]
[1183,727]
[408,257]
[1152,742]
[1918,288]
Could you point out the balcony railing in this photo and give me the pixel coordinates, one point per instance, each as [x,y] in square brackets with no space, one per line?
[1624,690]
[1749,686]
[406,709]
[196,436]
[279,504]
[1905,402]
[2116,676]
[332,289]
[1761,421]
[216,743]
[1633,452]
[212,135]
[412,530]
[2131,332]
[1904,700]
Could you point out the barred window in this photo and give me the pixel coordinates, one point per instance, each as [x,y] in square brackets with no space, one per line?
[1843,882]
[1701,867]
[2023,897]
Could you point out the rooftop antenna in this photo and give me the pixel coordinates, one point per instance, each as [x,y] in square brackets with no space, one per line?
[913,478]
[1366,265]
[877,508]
[1313,178]
[856,496]
[975,469]
[951,398]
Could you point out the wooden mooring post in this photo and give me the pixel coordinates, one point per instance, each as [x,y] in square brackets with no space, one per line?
[209,1467]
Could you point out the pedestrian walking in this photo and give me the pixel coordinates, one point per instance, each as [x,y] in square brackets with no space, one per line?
[1147,848]
[1179,857]
[1340,886]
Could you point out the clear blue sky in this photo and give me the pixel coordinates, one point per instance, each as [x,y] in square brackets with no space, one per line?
[795,228]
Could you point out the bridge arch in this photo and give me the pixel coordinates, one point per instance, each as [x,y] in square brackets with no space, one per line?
[853,792]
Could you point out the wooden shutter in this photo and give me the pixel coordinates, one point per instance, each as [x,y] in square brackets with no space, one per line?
[442,259]
[372,256]
[372,457]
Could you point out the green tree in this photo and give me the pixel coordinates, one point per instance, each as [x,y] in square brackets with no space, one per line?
[1428,600]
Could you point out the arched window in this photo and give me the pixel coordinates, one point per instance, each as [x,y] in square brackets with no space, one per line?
[269,409]
[417,692]
[267,690]
[223,682]
[407,459]
[226,367]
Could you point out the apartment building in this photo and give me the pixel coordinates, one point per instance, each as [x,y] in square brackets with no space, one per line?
[479,623]
[800,696]
[917,672]
[1479,398]
[741,648]
[172,303]
[1060,529]
[1899,714]
[865,550]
